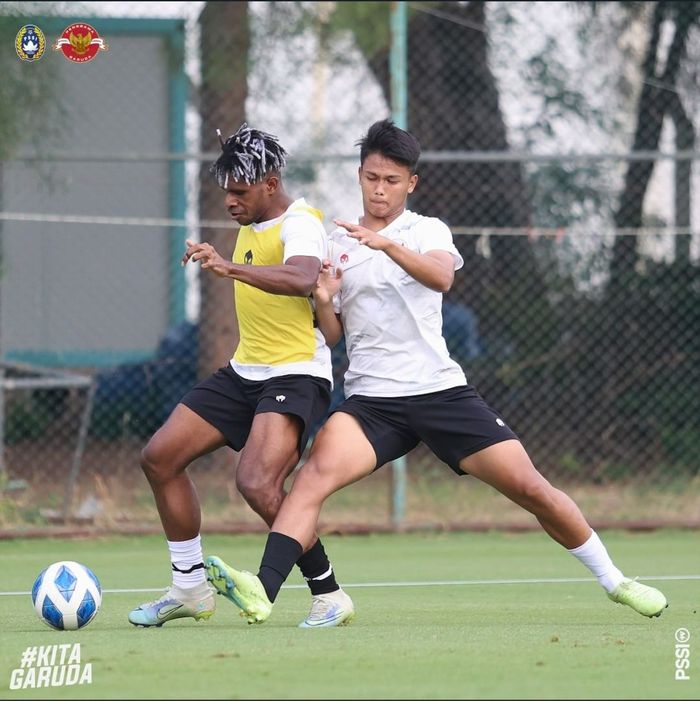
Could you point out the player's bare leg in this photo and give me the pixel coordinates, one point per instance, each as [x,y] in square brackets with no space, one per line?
[341,455]
[270,454]
[296,524]
[184,437]
[268,458]
[507,467]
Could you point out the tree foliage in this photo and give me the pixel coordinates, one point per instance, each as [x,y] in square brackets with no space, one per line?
[30,97]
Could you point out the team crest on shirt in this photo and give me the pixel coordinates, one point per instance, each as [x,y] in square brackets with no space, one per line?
[30,43]
[248,257]
[347,251]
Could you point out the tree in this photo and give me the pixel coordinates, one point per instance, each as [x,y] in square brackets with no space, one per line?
[453,105]
[225,40]
[29,100]
[657,99]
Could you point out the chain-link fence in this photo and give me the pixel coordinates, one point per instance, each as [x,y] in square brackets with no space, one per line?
[558,144]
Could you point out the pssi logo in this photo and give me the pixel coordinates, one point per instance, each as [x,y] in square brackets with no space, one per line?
[80,43]
[30,43]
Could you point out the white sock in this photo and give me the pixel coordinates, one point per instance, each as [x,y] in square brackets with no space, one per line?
[187,557]
[594,555]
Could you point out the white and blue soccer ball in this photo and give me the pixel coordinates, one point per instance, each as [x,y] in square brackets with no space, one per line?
[67,595]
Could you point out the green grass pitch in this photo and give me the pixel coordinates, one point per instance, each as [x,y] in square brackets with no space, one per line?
[455,615]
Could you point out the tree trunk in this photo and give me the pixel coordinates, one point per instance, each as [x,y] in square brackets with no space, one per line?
[224,52]
[453,105]
[655,101]
[685,141]
[620,336]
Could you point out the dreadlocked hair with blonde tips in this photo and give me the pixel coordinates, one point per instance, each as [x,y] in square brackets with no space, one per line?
[248,155]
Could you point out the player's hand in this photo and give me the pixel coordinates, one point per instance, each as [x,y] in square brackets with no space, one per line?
[365,236]
[206,253]
[328,283]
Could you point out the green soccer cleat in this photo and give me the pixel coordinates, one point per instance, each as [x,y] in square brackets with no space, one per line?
[198,603]
[643,599]
[329,610]
[241,587]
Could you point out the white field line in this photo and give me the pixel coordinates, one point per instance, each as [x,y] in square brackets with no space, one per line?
[433,583]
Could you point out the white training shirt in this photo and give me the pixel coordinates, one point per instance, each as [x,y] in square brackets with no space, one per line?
[392,322]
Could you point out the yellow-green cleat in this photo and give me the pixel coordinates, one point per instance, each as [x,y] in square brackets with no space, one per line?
[242,588]
[640,597]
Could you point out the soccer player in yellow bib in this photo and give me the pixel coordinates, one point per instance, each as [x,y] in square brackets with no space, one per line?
[392,267]
[270,395]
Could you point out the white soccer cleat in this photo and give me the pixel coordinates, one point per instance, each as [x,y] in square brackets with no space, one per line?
[329,610]
[198,603]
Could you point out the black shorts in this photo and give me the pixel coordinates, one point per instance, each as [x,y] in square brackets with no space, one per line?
[453,423]
[229,402]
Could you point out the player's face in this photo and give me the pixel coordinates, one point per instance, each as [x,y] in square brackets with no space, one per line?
[246,203]
[385,186]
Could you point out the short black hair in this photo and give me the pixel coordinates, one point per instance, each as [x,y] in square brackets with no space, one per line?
[249,155]
[390,141]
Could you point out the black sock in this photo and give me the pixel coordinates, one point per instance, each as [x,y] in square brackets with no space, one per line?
[317,570]
[281,552]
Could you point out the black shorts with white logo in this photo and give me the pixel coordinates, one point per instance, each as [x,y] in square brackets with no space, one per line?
[454,423]
[229,402]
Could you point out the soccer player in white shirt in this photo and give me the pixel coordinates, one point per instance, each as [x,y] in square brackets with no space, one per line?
[382,288]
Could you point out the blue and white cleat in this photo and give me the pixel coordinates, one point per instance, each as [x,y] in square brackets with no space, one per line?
[198,603]
[329,610]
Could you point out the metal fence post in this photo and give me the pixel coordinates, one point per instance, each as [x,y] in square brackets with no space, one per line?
[399,109]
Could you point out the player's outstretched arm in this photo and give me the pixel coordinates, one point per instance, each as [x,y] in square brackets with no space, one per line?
[297,277]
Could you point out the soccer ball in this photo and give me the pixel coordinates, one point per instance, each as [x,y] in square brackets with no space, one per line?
[66,595]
